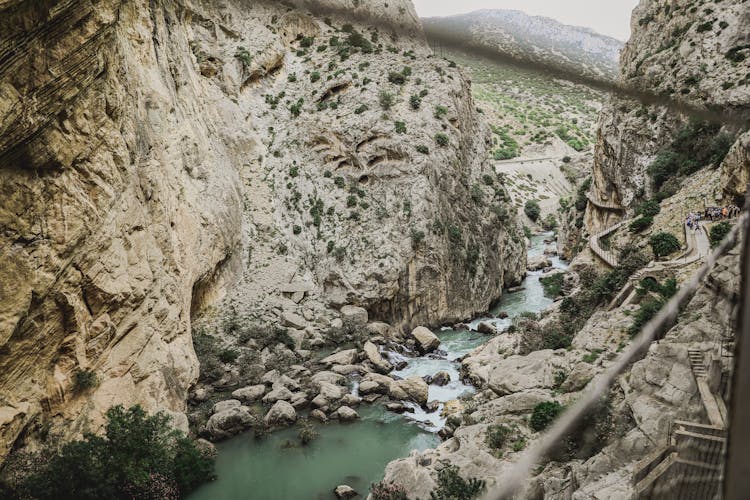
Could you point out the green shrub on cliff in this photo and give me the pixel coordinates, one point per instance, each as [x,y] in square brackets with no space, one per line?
[544,414]
[451,486]
[532,210]
[664,244]
[719,232]
[140,456]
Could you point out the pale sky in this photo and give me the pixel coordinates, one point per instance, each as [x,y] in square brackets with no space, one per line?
[609,17]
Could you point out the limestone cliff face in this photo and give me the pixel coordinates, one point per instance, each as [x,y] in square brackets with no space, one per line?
[692,53]
[156,157]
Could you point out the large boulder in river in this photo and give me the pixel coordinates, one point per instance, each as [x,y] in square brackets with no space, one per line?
[229,422]
[374,383]
[270,378]
[441,378]
[538,263]
[331,392]
[486,328]
[411,389]
[344,492]
[353,315]
[329,377]
[226,405]
[349,369]
[288,382]
[281,413]
[279,393]
[426,340]
[345,414]
[373,355]
[348,357]
[250,394]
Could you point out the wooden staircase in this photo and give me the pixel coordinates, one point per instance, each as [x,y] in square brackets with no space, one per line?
[690,465]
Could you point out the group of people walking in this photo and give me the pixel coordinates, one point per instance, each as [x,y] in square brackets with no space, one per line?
[712,214]
[721,213]
[693,221]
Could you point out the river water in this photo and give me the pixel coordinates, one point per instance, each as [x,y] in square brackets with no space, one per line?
[356,454]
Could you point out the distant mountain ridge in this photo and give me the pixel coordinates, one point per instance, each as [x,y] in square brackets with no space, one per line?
[539,38]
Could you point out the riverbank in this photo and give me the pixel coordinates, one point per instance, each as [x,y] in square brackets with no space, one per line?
[357,453]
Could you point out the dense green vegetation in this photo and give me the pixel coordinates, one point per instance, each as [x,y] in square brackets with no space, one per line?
[552,284]
[530,108]
[664,244]
[451,486]
[500,436]
[139,456]
[719,232]
[654,296]
[544,414]
[532,210]
[695,146]
[645,213]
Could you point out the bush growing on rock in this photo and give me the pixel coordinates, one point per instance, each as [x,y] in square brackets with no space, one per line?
[532,210]
[84,380]
[228,355]
[415,101]
[544,414]
[451,486]
[388,491]
[640,224]
[656,296]
[719,232]
[648,208]
[386,100]
[550,222]
[139,456]
[552,284]
[441,139]
[663,244]
[696,145]
[307,433]
[440,111]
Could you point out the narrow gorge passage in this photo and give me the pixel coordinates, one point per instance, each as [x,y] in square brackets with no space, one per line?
[357,453]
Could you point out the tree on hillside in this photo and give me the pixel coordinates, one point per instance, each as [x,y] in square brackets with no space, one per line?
[532,210]
[139,456]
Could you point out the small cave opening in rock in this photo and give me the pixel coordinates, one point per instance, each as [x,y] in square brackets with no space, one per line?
[364,179]
[334,90]
[207,288]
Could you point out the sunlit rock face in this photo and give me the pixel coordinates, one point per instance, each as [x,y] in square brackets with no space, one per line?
[163,159]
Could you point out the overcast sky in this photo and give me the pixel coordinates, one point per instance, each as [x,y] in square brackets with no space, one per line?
[610,17]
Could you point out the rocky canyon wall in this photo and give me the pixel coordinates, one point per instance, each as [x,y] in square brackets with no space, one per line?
[162,159]
[693,52]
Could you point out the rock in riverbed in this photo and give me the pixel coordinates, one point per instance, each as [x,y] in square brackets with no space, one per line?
[441,378]
[229,422]
[344,492]
[345,414]
[538,263]
[411,389]
[373,355]
[426,340]
[486,328]
[348,357]
[281,413]
[250,394]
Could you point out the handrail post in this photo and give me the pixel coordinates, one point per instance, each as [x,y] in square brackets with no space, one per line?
[737,468]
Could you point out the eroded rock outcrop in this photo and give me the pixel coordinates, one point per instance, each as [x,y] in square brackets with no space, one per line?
[691,53]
